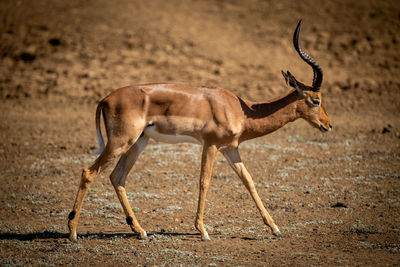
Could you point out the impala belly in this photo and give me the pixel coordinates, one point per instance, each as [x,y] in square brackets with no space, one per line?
[151,132]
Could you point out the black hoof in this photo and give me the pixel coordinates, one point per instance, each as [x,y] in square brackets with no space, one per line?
[278,234]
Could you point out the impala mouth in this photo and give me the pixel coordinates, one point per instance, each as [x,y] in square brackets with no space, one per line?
[324,129]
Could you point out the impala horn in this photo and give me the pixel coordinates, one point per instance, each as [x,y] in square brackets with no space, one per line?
[317,80]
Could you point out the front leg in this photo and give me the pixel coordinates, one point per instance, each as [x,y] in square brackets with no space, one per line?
[207,161]
[237,165]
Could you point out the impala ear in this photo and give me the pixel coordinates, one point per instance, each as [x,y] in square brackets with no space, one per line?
[291,80]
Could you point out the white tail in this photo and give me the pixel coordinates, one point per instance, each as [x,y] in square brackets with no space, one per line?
[100,140]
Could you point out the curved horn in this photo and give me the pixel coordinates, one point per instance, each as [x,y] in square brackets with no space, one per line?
[317,80]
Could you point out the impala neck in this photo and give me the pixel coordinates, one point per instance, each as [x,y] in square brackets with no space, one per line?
[265,117]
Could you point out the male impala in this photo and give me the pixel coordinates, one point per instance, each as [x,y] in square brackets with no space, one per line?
[212,117]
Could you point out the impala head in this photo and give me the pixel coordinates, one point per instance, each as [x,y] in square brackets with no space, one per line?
[310,106]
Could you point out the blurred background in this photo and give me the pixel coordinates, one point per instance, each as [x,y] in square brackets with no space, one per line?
[84,49]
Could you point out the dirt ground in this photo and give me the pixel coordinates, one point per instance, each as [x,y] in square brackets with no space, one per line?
[335,196]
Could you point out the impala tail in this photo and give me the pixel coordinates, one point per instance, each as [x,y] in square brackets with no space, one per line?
[100,140]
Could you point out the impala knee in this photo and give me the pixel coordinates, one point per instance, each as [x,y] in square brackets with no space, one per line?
[87,177]
[116,180]
[113,181]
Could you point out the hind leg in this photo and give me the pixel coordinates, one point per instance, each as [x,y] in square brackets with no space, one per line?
[88,175]
[118,177]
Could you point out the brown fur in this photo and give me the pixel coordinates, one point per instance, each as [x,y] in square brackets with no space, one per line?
[213,117]
[216,118]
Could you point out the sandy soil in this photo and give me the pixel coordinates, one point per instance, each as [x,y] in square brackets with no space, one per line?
[334,196]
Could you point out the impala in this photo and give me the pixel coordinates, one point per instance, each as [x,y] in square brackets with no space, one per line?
[212,117]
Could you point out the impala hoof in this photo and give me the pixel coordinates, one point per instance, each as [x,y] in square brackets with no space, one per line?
[73,238]
[206,238]
[143,235]
[278,234]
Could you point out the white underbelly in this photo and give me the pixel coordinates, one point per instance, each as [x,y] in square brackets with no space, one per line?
[151,132]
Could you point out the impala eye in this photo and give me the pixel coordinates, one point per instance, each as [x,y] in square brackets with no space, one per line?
[316,102]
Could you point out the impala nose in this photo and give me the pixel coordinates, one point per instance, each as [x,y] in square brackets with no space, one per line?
[324,128]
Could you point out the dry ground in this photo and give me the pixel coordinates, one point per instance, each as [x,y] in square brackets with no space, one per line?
[335,196]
